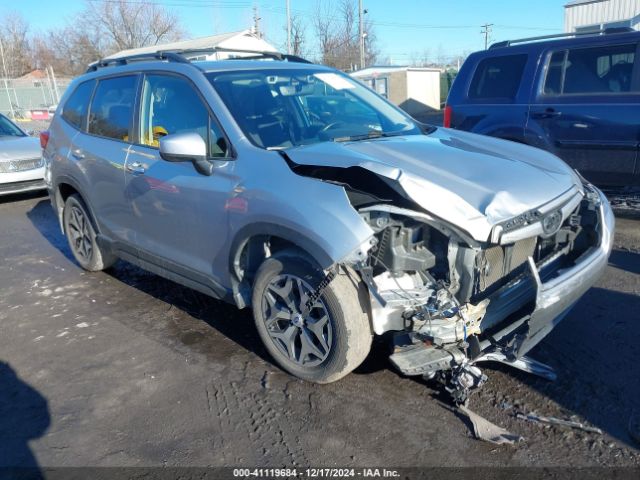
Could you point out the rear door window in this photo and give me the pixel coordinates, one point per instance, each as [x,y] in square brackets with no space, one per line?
[588,71]
[75,109]
[498,77]
[112,107]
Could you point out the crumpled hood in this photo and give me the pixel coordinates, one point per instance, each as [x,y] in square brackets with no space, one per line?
[471,181]
[18,148]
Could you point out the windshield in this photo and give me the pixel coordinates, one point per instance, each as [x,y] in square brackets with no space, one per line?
[8,129]
[284,108]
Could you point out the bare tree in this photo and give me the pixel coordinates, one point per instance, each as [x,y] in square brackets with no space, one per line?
[103,28]
[14,31]
[336,30]
[298,36]
[421,59]
[131,24]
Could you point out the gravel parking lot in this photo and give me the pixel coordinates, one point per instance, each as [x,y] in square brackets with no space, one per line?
[123,368]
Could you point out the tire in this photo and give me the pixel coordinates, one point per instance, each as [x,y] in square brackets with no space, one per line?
[341,343]
[81,235]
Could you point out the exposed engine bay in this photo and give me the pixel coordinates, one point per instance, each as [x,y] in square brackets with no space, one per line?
[434,289]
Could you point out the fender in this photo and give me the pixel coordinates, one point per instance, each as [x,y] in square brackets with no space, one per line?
[58,205]
[272,229]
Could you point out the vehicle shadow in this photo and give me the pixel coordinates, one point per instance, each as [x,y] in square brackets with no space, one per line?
[595,355]
[24,416]
[17,197]
[44,220]
[624,260]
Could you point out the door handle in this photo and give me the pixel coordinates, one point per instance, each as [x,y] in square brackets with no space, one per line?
[77,154]
[547,113]
[136,168]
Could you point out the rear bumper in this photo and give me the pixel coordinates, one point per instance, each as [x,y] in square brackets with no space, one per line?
[555,297]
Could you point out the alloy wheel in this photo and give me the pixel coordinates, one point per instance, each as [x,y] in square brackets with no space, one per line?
[303,340]
[80,233]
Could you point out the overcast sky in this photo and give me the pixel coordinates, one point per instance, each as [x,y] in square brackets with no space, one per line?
[404,27]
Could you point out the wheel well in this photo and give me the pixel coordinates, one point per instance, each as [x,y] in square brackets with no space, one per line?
[63,192]
[66,191]
[255,250]
[248,258]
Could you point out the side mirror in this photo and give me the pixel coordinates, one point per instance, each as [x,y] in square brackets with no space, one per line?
[186,147]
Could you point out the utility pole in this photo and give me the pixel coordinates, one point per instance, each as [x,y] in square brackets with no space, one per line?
[289,27]
[486,31]
[256,22]
[361,33]
[6,85]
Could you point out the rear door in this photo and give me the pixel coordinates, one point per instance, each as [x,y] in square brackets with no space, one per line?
[102,151]
[179,215]
[586,110]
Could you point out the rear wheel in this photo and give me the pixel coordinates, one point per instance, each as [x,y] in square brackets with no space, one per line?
[81,235]
[327,343]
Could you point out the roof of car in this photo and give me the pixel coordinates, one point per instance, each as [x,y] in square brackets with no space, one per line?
[538,43]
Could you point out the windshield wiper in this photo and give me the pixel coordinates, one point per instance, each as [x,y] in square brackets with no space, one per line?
[366,136]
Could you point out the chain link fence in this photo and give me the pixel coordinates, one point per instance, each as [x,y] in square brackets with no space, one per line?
[31,97]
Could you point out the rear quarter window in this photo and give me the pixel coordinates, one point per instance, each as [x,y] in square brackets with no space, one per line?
[497,77]
[75,109]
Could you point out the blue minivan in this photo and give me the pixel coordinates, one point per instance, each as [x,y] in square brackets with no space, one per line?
[575,95]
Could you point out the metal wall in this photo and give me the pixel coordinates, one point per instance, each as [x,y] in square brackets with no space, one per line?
[600,12]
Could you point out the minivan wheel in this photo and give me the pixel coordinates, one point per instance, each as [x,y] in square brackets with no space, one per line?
[332,339]
[81,236]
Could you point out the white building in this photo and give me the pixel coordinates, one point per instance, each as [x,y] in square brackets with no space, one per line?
[415,90]
[586,15]
[243,40]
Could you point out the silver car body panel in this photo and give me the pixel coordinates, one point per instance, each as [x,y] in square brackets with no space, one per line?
[446,174]
[18,157]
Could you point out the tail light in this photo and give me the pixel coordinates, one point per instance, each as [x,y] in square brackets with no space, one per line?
[446,122]
[44,138]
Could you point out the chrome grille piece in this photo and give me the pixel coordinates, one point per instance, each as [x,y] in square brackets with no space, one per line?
[11,166]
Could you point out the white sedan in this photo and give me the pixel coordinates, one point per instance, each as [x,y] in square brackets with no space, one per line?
[21,166]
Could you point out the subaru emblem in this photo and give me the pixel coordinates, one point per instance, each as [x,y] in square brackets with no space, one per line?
[551,223]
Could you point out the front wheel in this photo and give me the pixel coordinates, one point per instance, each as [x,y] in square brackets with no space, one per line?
[327,343]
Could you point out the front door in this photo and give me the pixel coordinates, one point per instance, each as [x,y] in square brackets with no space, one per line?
[587,111]
[179,214]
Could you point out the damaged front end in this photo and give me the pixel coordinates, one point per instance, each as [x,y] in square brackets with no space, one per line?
[451,302]
[463,266]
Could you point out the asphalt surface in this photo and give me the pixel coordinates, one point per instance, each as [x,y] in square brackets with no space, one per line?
[123,368]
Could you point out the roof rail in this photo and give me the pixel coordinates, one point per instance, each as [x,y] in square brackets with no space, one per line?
[160,55]
[182,56]
[604,31]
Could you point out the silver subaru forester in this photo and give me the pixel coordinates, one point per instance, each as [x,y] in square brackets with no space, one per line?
[292,189]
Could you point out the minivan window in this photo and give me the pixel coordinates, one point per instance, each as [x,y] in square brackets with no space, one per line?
[498,77]
[585,71]
[112,107]
[75,109]
[171,105]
